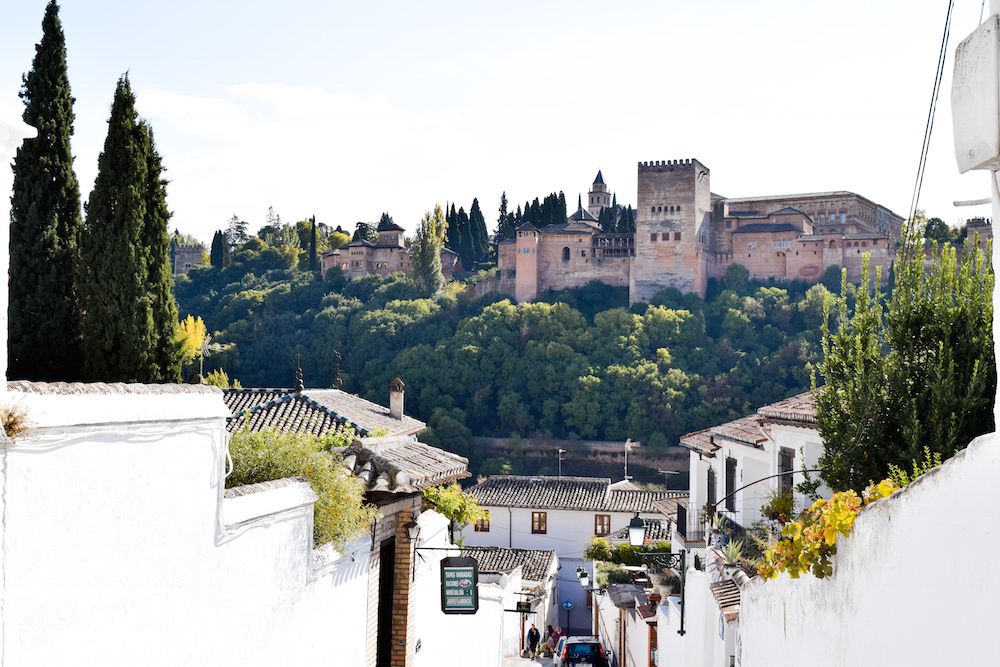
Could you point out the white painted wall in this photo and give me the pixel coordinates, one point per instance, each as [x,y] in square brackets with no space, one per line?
[569,532]
[636,639]
[706,633]
[895,597]
[458,640]
[118,548]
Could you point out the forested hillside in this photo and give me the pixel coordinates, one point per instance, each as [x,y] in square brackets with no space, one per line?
[579,364]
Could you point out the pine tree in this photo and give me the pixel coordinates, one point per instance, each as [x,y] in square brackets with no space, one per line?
[505,221]
[217,255]
[166,353]
[117,326]
[236,232]
[45,222]
[427,245]
[518,217]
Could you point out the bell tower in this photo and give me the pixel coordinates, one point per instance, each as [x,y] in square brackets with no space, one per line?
[598,197]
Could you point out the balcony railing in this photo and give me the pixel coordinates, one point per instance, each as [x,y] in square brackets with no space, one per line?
[689,529]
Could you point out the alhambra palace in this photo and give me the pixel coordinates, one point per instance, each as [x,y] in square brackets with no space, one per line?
[686,234]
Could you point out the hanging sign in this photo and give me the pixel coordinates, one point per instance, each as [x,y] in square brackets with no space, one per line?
[459,585]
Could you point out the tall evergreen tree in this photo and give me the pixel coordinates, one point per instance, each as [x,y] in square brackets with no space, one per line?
[166,352]
[117,325]
[480,236]
[236,232]
[45,222]
[313,258]
[217,255]
[453,240]
[465,240]
[427,244]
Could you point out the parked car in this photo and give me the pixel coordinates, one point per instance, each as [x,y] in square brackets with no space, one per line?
[583,652]
[557,657]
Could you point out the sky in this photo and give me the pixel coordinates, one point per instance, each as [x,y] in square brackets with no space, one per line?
[344,110]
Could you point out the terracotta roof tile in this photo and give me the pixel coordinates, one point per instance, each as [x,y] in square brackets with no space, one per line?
[727,596]
[657,530]
[577,493]
[536,563]
[798,409]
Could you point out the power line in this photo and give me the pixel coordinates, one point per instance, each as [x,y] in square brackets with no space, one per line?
[929,125]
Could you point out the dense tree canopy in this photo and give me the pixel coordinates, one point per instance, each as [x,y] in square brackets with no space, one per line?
[577,364]
[45,222]
[912,371]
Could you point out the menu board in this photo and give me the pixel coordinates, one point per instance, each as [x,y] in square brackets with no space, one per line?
[459,585]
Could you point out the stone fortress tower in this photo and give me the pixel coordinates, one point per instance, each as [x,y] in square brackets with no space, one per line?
[598,197]
[673,230]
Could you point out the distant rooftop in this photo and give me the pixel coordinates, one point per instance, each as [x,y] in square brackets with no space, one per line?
[750,430]
[313,411]
[536,563]
[574,493]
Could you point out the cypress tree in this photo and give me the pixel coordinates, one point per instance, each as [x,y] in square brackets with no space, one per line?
[45,222]
[217,256]
[165,361]
[313,259]
[465,241]
[453,240]
[117,325]
[477,229]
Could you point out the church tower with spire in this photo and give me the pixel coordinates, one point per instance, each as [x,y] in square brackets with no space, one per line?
[598,197]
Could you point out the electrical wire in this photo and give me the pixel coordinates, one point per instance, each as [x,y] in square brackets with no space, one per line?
[929,124]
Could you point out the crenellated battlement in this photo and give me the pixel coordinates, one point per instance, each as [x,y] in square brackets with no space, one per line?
[659,164]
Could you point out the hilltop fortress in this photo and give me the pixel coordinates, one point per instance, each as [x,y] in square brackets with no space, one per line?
[685,234]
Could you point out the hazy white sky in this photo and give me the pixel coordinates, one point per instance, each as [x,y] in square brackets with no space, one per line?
[344,110]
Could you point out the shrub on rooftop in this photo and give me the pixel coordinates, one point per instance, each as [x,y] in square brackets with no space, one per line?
[340,512]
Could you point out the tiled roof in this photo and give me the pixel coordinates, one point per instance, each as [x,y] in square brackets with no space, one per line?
[536,563]
[668,506]
[314,410]
[388,227]
[600,179]
[756,227]
[797,409]
[657,530]
[576,493]
[745,430]
[788,210]
[77,388]
[582,214]
[861,236]
[727,596]
[400,464]
[627,595]
[699,441]
[292,413]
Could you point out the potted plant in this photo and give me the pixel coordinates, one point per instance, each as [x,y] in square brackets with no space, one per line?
[731,555]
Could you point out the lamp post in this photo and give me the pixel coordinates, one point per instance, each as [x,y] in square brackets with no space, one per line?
[678,561]
[560,454]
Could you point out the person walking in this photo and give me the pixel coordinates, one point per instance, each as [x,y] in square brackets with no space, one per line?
[533,636]
[557,635]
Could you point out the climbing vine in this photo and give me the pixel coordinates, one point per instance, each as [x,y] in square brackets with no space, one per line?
[808,544]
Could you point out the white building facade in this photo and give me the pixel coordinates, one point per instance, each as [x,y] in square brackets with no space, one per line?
[563,514]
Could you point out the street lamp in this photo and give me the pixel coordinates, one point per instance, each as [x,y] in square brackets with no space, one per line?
[637,537]
[560,454]
[583,576]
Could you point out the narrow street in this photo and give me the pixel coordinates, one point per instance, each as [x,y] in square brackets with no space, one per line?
[525,662]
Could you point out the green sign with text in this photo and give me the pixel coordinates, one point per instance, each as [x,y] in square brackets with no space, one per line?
[459,585]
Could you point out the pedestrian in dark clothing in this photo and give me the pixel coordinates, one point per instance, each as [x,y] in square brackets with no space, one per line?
[533,637]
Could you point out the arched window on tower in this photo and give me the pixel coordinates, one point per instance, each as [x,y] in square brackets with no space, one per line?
[565,254]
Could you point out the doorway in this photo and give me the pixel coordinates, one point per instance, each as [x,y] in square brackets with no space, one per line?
[386,576]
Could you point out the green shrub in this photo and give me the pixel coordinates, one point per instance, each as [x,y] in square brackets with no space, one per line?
[340,512]
[901,478]
[598,549]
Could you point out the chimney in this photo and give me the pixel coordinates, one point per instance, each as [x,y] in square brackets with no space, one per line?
[396,390]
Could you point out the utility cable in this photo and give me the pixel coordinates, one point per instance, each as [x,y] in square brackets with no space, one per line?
[929,124]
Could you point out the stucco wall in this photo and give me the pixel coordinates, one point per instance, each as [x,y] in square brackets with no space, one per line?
[895,597]
[119,549]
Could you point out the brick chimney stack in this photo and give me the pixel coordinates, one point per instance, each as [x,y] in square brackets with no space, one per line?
[396,391]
